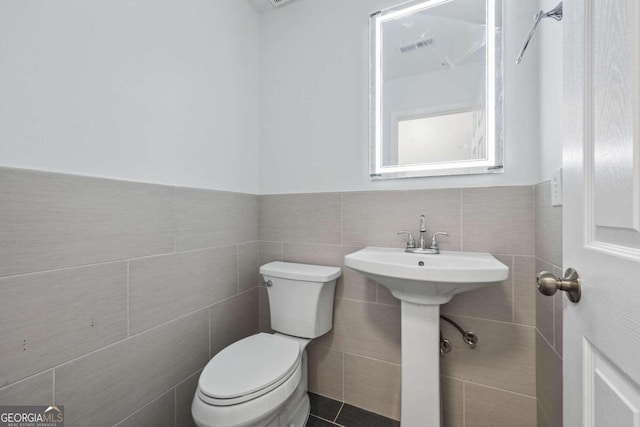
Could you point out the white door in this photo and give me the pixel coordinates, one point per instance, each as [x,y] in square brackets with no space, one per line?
[601,162]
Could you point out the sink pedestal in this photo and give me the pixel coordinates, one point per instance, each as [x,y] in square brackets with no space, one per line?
[420,405]
[422,283]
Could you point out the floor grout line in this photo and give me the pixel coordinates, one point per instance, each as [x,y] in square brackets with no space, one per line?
[464,406]
[326,420]
[338,414]
[175,406]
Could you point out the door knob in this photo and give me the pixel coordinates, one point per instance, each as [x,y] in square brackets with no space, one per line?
[549,284]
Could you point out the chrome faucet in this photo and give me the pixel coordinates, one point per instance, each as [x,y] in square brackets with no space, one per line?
[422,248]
[423,231]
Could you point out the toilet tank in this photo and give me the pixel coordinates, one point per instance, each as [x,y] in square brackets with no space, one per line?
[300,297]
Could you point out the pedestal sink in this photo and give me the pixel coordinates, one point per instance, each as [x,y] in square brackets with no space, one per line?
[422,283]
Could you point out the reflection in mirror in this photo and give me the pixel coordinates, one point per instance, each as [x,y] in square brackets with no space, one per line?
[436,89]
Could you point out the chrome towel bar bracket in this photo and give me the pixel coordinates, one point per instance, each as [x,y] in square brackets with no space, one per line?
[555,13]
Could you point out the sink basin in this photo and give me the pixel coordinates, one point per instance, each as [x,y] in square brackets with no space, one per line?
[421,283]
[427,279]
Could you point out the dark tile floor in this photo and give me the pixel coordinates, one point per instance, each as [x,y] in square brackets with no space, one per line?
[327,412]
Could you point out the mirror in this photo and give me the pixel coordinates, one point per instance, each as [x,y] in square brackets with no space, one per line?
[436,89]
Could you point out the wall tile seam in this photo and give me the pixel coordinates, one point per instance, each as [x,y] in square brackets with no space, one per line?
[343,381]
[368,302]
[75,359]
[343,353]
[548,343]
[553,319]
[513,290]
[309,243]
[362,356]
[172,389]
[551,263]
[504,390]
[194,250]
[122,260]
[485,319]
[27,378]
[541,409]
[269,241]
[205,307]
[448,314]
[513,322]
[179,383]
[467,382]
[66,268]
[524,325]
[366,357]
[246,291]
[399,365]
[545,339]
[128,299]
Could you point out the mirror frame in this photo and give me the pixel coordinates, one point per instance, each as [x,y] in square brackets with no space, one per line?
[494,161]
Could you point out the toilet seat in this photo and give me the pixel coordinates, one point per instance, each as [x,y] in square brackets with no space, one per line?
[248,369]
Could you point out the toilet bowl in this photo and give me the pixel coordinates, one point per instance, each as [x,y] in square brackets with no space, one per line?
[261,380]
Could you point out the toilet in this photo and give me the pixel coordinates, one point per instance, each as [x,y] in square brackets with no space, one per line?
[261,380]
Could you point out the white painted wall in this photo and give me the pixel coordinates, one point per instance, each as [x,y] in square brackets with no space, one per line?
[158,91]
[550,48]
[314,100]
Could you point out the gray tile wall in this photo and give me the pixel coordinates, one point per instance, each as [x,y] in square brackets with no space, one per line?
[117,293]
[359,360]
[121,292]
[548,311]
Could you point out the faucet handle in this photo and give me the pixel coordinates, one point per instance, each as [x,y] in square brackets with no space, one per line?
[434,238]
[411,243]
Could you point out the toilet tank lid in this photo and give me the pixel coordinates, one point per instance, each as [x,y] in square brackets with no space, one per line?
[304,272]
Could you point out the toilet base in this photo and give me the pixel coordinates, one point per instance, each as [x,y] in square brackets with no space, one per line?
[295,411]
[293,416]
